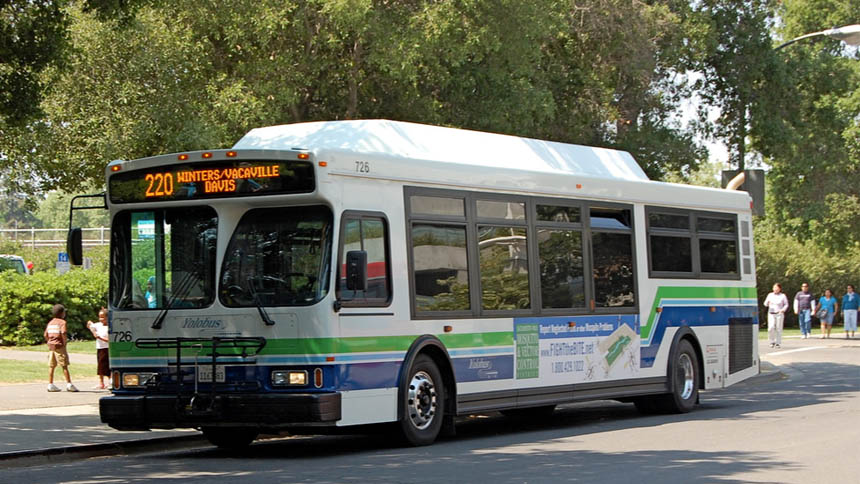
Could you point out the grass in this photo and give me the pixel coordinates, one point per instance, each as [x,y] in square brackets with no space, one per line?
[18,371]
[816,331]
[786,332]
[86,347]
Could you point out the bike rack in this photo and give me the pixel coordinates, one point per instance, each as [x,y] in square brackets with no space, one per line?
[233,346]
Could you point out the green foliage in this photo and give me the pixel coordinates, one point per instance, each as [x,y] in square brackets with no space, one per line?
[32,38]
[781,258]
[815,162]
[741,75]
[53,211]
[541,68]
[26,301]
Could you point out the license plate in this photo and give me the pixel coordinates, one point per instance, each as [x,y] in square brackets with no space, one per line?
[204,374]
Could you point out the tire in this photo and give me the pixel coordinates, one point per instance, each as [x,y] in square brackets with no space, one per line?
[684,380]
[229,437]
[648,405]
[423,400]
[531,413]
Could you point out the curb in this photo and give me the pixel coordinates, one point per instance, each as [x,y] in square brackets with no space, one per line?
[64,454]
[768,373]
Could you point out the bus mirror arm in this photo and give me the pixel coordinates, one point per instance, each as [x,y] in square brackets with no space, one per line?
[74,241]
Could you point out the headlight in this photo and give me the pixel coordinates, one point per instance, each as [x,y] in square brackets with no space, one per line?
[289,377]
[137,379]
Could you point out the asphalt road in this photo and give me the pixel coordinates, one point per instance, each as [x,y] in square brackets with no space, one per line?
[803,428]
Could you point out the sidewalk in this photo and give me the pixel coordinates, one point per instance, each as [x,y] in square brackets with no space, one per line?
[36,422]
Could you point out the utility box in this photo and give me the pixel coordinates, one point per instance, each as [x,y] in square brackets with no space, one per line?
[753,184]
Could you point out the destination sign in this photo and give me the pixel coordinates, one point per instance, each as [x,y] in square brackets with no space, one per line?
[229,178]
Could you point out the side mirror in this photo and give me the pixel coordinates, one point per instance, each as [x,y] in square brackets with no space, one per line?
[74,246]
[356,270]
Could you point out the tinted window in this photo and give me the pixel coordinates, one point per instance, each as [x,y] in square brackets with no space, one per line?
[504,267]
[367,234]
[503,210]
[278,257]
[562,281]
[553,213]
[671,254]
[610,218]
[437,206]
[163,258]
[613,270]
[440,268]
[705,224]
[719,256]
[669,221]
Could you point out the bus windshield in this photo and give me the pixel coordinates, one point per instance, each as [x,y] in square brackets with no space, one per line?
[278,257]
[163,258]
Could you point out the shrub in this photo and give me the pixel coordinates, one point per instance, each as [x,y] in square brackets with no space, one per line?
[26,302]
[781,258]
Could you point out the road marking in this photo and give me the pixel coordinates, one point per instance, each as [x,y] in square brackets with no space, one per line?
[779,353]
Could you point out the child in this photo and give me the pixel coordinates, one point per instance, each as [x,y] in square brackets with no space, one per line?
[55,335]
[100,331]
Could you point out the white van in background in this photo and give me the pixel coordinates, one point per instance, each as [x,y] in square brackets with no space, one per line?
[13,263]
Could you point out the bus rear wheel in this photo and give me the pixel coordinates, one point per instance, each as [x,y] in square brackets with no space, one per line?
[684,383]
[423,402]
[229,437]
[685,380]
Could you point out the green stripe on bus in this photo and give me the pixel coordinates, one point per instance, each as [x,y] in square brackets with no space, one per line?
[321,346]
[684,292]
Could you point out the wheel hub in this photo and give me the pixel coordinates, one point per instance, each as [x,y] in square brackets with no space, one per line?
[421,401]
[686,376]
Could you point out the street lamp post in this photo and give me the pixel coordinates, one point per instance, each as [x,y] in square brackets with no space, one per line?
[850,34]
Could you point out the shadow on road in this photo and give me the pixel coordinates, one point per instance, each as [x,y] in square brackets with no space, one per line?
[490,447]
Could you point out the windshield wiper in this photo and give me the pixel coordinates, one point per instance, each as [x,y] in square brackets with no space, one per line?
[184,288]
[263,314]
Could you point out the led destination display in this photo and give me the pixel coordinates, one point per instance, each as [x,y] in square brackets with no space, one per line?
[229,178]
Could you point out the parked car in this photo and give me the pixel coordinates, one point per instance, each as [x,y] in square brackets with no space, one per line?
[14,263]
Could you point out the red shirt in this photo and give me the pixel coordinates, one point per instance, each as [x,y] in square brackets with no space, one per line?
[55,333]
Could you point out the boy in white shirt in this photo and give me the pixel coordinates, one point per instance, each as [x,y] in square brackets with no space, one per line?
[101,333]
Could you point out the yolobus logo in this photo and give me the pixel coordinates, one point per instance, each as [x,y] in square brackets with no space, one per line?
[202,323]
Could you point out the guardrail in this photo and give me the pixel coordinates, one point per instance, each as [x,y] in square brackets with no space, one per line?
[34,238]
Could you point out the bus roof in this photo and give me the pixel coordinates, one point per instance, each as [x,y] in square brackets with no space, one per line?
[440,144]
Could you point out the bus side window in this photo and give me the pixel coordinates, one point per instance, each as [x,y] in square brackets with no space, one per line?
[368,233]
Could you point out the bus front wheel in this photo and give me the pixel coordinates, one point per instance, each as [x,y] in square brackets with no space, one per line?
[423,402]
[229,437]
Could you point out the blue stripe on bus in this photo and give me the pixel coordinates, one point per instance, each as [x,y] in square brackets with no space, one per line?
[484,368]
[679,316]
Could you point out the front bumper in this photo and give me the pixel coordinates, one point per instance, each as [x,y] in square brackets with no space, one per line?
[144,412]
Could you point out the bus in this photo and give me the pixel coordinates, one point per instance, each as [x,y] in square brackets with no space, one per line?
[324,276]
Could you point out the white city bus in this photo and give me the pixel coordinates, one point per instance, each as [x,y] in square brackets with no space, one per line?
[333,274]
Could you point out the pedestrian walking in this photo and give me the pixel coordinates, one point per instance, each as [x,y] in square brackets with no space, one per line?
[828,306]
[777,305]
[101,333]
[850,304]
[804,308]
[56,337]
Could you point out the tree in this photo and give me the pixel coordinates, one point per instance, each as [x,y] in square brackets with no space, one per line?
[32,38]
[740,74]
[815,164]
